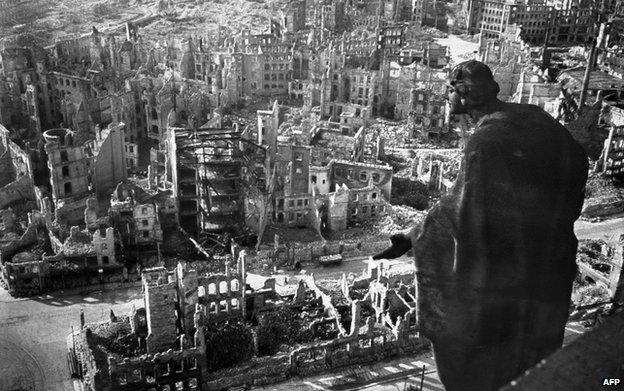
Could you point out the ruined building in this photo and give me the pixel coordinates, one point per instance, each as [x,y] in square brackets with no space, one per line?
[320,177]
[612,156]
[166,343]
[78,169]
[68,164]
[553,26]
[127,147]
[208,169]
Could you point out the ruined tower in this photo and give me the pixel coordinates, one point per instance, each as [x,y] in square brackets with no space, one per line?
[338,203]
[68,165]
[104,243]
[160,308]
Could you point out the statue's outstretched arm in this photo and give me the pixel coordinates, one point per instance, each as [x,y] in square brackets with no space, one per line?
[401,243]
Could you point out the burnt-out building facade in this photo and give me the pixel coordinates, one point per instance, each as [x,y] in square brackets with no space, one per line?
[567,26]
[207,170]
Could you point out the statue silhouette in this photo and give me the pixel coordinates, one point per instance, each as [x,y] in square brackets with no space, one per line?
[495,258]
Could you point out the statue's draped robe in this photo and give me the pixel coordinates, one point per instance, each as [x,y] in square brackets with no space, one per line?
[495,258]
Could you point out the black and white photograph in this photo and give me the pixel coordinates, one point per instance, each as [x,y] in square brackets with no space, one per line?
[311,195]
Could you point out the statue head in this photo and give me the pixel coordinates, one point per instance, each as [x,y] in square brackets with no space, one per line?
[471,86]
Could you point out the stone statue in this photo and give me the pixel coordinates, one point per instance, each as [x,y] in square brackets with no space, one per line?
[495,258]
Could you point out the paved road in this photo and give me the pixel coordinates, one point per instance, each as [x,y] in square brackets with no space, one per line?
[33,334]
[608,230]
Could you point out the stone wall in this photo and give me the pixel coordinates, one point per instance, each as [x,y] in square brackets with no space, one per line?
[312,251]
[168,368]
[258,371]
[316,358]
[362,349]
[83,283]
[223,296]
[84,355]
[55,243]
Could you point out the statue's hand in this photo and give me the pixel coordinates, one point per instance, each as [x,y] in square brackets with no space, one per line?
[401,244]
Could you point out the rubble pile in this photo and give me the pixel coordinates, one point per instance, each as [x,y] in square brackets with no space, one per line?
[573,58]
[602,197]
[584,294]
[601,190]
[115,337]
[395,134]
[64,267]
[592,252]
[591,298]
[73,17]
[452,165]
[401,218]
[234,15]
